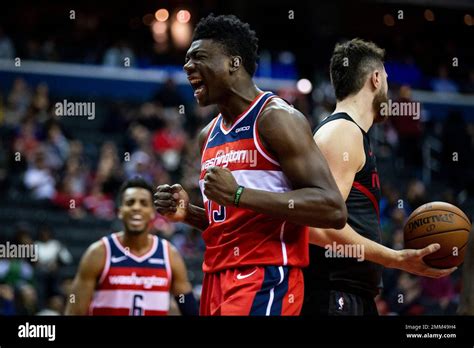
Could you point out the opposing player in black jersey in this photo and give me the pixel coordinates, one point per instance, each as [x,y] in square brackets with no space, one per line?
[347,285]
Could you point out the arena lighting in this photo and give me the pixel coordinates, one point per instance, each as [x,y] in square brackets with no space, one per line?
[429,15]
[159,28]
[148,19]
[304,86]
[388,20]
[162,15]
[183,16]
[181,34]
[468,20]
[160,32]
[160,38]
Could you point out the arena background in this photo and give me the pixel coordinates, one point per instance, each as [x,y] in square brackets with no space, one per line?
[59,175]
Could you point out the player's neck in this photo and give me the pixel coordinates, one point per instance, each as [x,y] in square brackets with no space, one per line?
[138,243]
[238,100]
[359,109]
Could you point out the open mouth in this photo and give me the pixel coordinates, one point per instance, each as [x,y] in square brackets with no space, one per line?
[136,219]
[198,86]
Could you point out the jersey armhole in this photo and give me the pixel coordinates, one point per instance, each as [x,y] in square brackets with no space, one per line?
[363,164]
[204,144]
[258,142]
[363,146]
[166,256]
[106,267]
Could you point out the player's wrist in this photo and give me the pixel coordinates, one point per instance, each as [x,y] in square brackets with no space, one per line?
[238,194]
[393,259]
[190,210]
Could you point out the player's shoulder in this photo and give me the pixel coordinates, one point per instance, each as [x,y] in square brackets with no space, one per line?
[339,131]
[174,252]
[277,111]
[96,252]
[277,105]
[175,257]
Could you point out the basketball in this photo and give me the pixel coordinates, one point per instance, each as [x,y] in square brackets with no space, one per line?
[443,223]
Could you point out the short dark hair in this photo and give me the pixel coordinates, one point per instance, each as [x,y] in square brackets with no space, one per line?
[234,35]
[135,182]
[351,62]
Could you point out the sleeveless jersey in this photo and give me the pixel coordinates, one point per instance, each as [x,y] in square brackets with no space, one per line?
[238,237]
[349,274]
[133,285]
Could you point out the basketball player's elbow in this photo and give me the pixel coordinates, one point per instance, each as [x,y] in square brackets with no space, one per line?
[336,216]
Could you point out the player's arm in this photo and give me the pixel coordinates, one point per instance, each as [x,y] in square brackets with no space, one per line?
[173,201]
[314,199]
[346,157]
[84,283]
[180,286]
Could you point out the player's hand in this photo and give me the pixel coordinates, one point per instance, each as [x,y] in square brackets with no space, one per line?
[172,202]
[220,185]
[411,260]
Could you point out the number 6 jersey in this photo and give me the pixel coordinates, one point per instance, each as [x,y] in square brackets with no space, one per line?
[133,285]
[239,237]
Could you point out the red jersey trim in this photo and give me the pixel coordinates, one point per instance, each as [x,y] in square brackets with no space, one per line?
[208,135]
[129,253]
[204,145]
[284,253]
[257,140]
[166,255]
[106,267]
[369,195]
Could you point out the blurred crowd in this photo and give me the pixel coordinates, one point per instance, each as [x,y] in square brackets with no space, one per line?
[33,286]
[86,41]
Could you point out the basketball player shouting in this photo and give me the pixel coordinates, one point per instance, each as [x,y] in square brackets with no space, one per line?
[346,286]
[132,272]
[262,179]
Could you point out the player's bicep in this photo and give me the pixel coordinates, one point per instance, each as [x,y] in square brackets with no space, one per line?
[290,139]
[344,154]
[84,283]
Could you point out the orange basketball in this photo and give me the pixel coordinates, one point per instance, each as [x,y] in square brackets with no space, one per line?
[443,223]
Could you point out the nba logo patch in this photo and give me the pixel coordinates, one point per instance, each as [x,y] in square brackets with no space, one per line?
[340,303]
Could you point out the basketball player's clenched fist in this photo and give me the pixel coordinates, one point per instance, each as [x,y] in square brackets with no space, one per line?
[220,185]
[171,202]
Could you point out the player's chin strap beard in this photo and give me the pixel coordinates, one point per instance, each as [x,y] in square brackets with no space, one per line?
[379,100]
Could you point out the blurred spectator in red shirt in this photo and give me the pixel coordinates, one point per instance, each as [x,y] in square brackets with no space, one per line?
[169,142]
[100,204]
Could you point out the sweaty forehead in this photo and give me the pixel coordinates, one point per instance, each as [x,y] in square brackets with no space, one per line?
[136,193]
[206,45]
